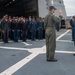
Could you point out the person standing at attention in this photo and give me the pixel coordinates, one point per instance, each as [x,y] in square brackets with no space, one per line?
[5,25]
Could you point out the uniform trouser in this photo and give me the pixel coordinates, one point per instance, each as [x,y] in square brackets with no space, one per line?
[50,45]
[36,34]
[0,34]
[24,35]
[29,34]
[16,35]
[57,28]
[5,36]
[40,33]
[33,32]
[43,34]
[20,34]
[73,33]
[11,35]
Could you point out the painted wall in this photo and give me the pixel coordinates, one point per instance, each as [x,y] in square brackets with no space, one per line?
[59,4]
[42,8]
[44,4]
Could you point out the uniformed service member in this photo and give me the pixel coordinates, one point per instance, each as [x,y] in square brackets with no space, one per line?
[16,27]
[50,34]
[24,30]
[40,29]
[58,26]
[5,25]
[29,25]
[72,23]
[20,22]
[33,29]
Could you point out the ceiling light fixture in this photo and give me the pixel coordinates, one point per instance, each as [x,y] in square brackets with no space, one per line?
[13,0]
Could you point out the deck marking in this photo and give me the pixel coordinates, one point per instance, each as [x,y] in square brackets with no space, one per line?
[62,35]
[27,59]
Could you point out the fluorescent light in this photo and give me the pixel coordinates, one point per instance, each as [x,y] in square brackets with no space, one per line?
[10,2]
[13,0]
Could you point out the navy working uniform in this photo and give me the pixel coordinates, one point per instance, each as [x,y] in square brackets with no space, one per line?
[37,23]
[33,30]
[11,30]
[58,26]
[40,30]
[43,31]
[16,31]
[24,31]
[20,28]
[29,33]
[5,25]
[72,23]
